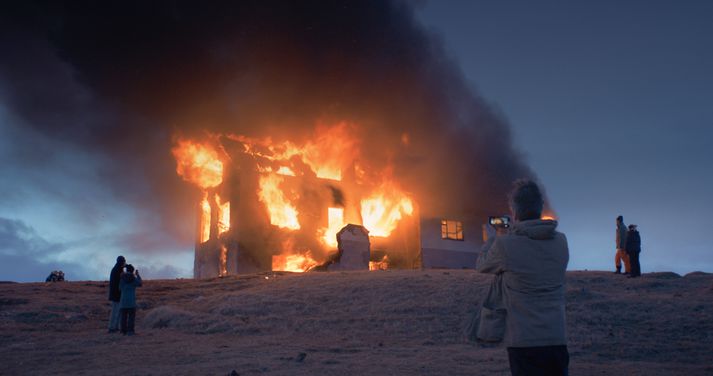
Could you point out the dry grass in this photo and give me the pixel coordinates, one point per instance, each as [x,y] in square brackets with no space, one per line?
[347,323]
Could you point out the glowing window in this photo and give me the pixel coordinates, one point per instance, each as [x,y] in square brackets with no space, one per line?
[451,229]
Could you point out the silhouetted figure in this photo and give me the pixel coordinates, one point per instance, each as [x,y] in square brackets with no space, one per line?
[532,259]
[633,249]
[621,254]
[115,293]
[129,282]
[55,276]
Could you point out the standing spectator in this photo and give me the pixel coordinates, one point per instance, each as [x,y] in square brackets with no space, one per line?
[621,247]
[633,249]
[129,282]
[55,276]
[115,293]
[532,259]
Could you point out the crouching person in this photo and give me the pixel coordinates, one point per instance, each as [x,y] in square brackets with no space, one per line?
[531,258]
[130,280]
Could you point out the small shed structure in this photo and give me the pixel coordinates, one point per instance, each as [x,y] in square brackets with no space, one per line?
[354,249]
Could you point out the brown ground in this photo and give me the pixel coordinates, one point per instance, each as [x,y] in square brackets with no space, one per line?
[347,323]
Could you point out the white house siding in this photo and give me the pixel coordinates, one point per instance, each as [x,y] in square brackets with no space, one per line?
[447,253]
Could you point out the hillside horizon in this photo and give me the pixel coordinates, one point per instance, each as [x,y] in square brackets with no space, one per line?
[394,322]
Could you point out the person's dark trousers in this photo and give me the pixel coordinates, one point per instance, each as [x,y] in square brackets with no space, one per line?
[536,361]
[128,316]
[635,266]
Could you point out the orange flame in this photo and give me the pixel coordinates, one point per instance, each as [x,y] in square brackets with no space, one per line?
[282,213]
[223,215]
[223,261]
[293,262]
[204,219]
[548,215]
[198,163]
[382,211]
[332,151]
[379,265]
[336,222]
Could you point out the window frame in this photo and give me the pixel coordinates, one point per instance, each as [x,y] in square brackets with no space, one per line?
[451,224]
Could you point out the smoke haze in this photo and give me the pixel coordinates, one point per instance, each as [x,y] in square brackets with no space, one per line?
[101,89]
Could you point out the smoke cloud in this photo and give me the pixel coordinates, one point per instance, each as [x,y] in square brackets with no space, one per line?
[119,80]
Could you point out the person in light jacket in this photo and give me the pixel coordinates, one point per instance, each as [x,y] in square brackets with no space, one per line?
[115,294]
[621,254]
[532,259]
[129,282]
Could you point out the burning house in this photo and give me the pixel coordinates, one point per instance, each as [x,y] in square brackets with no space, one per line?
[280,205]
[289,120]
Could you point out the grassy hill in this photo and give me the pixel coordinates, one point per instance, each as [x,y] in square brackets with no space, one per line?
[347,323]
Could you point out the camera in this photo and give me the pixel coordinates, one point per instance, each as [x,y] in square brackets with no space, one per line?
[503,221]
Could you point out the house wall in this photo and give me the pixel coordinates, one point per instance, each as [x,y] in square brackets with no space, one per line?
[448,253]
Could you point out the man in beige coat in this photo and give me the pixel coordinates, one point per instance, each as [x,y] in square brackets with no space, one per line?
[532,258]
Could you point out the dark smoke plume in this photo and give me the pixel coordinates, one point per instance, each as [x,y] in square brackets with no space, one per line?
[120,78]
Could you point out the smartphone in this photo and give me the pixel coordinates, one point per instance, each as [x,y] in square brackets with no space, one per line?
[503,221]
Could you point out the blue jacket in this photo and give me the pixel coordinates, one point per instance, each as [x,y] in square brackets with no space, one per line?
[129,283]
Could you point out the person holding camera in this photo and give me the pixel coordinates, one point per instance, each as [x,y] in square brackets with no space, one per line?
[531,259]
[130,280]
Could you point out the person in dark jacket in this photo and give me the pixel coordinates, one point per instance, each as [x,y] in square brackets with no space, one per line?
[115,293]
[129,282]
[633,249]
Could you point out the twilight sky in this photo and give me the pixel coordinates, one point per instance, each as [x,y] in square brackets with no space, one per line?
[611,104]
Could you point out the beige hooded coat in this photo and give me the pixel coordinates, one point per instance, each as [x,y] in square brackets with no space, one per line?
[533,259]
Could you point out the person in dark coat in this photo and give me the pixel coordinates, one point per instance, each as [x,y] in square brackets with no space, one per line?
[129,282]
[633,249]
[115,293]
